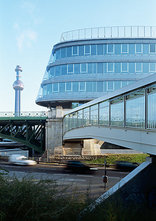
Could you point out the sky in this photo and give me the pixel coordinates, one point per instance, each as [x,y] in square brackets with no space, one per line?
[30,28]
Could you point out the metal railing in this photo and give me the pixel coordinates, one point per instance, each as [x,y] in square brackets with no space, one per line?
[110,32]
[25,114]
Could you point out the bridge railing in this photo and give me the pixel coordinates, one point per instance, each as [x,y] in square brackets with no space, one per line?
[24,114]
[110,32]
[134,107]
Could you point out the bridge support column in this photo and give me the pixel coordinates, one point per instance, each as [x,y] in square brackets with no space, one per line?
[54,130]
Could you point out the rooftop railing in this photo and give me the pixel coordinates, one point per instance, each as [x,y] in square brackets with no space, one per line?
[110,32]
[24,114]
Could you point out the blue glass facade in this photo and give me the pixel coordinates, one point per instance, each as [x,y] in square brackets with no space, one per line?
[82,70]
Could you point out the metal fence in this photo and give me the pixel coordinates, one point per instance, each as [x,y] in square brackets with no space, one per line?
[110,32]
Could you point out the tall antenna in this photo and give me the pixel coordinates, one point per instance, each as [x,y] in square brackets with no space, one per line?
[18,87]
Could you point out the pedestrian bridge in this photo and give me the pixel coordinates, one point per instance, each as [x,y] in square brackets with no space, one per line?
[126,117]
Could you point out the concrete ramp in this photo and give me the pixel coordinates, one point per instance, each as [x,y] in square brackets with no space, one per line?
[139,186]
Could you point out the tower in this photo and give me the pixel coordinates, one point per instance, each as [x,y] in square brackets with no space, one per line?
[18,86]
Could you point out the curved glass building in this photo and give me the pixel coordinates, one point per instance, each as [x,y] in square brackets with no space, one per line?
[89,63]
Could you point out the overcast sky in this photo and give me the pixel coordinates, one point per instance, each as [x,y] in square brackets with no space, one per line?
[30,28]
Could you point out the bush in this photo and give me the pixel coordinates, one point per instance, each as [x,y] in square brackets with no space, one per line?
[28,200]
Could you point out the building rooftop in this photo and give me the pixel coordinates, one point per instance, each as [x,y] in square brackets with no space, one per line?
[110,32]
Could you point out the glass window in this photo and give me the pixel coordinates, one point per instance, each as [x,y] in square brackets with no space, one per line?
[69,51]
[74,118]
[77,68]
[104,48]
[138,67]
[55,87]
[44,90]
[104,113]
[93,49]
[152,48]
[131,67]
[110,48]
[145,67]
[152,67]
[135,109]
[146,48]
[87,49]
[100,68]
[49,89]
[75,87]
[100,49]
[80,118]
[117,112]
[52,71]
[92,68]
[100,86]
[124,48]
[57,70]
[138,48]
[131,48]
[94,86]
[94,114]
[124,67]
[89,87]
[117,85]
[82,86]
[117,67]
[75,50]
[110,85]
[104,67]
[117,48]
[68,86]
[86,116]
[81,50]
[58,54]
[124,83]
[64,69]
[104,86]
[62,87]
[83,68]
[152,107]
[70,68]
[110,67]
[63,52]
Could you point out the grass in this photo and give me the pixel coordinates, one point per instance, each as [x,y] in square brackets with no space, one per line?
[112,158]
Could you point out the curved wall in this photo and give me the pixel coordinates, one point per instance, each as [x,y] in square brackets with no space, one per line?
[81,70]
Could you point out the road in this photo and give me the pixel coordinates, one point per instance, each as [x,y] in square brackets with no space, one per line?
[81,183]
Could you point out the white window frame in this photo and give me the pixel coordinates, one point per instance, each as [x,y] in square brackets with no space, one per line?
[141,49]
[66,86]
[141,67]
[73,50]
[127,48]
[107,86]
[122,67]
[113,67]
[84,84]
[108,51]
[57,87]
[150,67]
[89,50]
[81,68]
[68,70]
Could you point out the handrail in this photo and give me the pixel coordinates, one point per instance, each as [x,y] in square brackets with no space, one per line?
[24,114]
[110,32]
